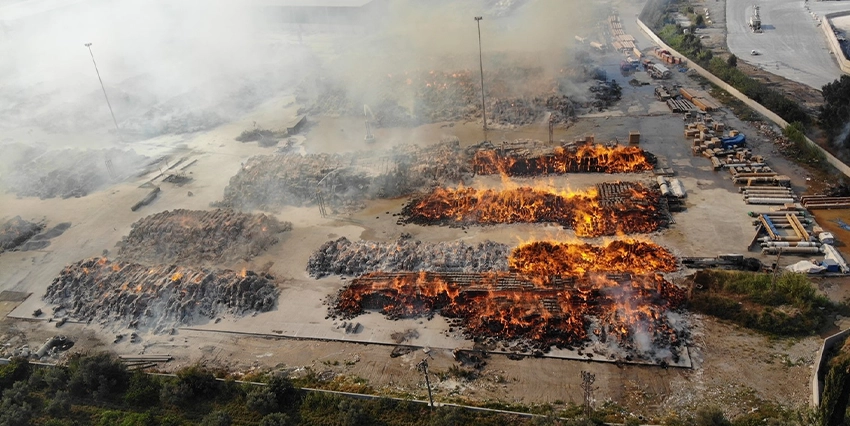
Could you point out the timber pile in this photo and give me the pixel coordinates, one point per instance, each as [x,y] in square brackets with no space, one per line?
[71,173]
[196,236]
[825,202]
[269,182]
[680,105]
[17,231]
[344,257]
[158,298]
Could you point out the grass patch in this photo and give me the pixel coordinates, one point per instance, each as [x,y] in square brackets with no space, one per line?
[789,307]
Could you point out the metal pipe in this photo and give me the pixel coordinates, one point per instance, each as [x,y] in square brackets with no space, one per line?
[769,200]
[799,250]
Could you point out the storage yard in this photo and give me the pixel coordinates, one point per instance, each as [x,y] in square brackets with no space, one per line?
[371,235]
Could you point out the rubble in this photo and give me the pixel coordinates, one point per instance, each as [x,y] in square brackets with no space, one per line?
[609,209]
[629,312]
[344,257]
[158,298]
[189,237]
[17,231]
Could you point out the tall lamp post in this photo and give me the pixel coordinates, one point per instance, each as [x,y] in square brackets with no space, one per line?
[481,65]
[114,121]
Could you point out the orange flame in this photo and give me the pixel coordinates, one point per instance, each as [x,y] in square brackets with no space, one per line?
[585,158]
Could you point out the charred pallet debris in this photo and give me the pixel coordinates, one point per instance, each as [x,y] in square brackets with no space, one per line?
[190,237]
[16,231]
[342,181]
[157,298]
[354,258]
[70,173]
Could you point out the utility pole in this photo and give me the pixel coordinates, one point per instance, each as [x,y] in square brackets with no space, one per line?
[114,121]
[587,379]
[481,65]
[423,366]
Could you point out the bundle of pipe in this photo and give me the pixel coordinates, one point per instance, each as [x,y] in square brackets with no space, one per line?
[767,242]
[671,186]
[770,201]
[790,250]
[824,202]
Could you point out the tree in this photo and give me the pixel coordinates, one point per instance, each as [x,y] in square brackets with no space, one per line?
[17,369]
[99,376]
[285,393]
[835,112]
[217,418]
[276,419]
[60,405]
[143,390]
[262,400]
[732,61]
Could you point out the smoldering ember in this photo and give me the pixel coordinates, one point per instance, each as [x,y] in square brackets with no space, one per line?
[543,209]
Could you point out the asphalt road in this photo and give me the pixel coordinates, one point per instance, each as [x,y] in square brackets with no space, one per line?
[792,44]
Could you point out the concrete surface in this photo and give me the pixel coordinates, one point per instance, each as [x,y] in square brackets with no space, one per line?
[792,45]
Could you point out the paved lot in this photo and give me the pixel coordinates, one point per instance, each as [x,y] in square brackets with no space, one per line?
[792,45]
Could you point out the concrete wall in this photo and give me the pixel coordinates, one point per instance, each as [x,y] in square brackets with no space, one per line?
[820,364]
[834,46]
[770,115]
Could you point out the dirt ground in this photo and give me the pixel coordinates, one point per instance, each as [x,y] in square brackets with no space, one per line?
[732,367]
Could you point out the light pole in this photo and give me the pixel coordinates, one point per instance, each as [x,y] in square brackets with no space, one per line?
[481,65]
[104,93]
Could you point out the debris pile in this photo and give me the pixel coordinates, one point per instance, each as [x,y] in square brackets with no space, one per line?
[71,173]
[606,93]
[16,232]
[342,180]
[629,311]
[608,209]
[196,236]
[158,298]
[344,257]
[529,158]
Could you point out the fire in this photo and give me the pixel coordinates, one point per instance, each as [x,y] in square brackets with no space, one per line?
[610,209]
[177,276]
[243,273]
[546,259]
[585,158]
[512,306]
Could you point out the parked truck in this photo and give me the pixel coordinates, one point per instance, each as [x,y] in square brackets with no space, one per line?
[658,71]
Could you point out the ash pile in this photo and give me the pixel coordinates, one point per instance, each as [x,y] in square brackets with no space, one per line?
[342,181]
[157,298]
[16,231]
[605,94]
[611,208]
[629,313]
[344,257]
[525,157]
[70,173]
[197,236]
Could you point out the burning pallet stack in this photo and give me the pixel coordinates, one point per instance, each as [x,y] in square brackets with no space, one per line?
[568,312]
[532,158]
[622,208]
[543,294]
[157,298]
